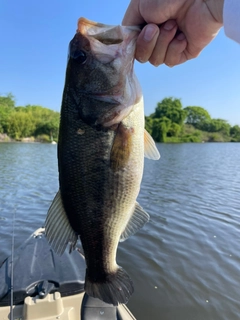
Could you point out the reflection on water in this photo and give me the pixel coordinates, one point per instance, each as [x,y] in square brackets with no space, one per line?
[185,263]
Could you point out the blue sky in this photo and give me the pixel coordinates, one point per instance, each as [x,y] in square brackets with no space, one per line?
[34,37]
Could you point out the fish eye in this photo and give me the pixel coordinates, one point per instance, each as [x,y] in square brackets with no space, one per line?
[79,55]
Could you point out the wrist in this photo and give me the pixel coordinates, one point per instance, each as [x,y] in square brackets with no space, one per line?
[216,9]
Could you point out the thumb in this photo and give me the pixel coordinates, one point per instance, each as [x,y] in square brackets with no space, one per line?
[132,16]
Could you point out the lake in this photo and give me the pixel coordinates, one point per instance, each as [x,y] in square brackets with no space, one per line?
[185,263]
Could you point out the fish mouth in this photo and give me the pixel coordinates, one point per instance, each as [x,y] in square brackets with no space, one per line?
[109,42]
[107,34]
[92,27]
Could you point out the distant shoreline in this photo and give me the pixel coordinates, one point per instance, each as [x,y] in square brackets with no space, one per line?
[5,138]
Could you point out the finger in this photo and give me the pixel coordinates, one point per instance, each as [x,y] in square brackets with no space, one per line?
[146,42]
[132,16]
[176,52]
[166,35]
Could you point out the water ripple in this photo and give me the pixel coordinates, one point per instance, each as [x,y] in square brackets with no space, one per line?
[185,263]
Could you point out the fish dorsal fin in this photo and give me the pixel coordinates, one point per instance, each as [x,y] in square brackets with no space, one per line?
[150,149]
[57,227]
[136,222]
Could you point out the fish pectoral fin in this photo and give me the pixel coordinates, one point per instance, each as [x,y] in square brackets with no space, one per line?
[57,227]
[150,149]
[136,222]
[121,148]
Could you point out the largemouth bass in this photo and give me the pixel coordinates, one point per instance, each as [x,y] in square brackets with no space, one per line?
[101,150]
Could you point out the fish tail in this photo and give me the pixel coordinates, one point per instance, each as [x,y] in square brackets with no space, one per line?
[116,288]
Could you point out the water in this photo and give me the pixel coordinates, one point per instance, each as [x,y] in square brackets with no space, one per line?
[185,263]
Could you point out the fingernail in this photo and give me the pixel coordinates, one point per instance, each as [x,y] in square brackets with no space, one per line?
[169,25]
[140,60]
[149,33]
[181,36]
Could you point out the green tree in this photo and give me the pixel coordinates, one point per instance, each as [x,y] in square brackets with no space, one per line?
[20,124]
[216,125]
[235,130]
[31,120]
[49,128]
[235,133]
[172,109]
[196,116]
[8,101]
[167,120]
[46,121]
[7,104]
[174,130]
[160,129]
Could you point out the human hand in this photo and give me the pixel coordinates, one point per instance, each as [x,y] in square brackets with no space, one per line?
[176,30]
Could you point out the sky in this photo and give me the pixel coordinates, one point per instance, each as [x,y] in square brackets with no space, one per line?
[34,37]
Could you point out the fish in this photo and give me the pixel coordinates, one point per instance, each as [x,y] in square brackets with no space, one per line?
[101,148]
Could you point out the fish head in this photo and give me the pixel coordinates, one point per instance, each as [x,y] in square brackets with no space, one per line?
[100,70]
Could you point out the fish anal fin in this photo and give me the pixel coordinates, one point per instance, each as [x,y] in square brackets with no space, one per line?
[57,227]
[136,222]
[121,147]
[150,149]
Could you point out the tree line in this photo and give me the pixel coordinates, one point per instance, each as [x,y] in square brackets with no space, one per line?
[170,122]
[29,121]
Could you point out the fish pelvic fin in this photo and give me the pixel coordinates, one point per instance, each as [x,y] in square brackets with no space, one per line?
[136,222]
[57,227]
[150,149]
[116,288]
